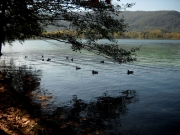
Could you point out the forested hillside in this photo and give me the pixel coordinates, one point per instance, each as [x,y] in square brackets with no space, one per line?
[144,25]
[140,21]
[167,21]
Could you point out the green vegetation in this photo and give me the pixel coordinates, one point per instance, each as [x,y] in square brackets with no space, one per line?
[151,34]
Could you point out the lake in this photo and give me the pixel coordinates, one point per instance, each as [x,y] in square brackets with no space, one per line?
[150,96]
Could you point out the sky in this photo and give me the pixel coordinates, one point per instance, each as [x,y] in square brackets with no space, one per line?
[152,5]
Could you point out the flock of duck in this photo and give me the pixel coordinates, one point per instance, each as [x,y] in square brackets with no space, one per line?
[47,59]
[93,71]
[96,72]
[77,68]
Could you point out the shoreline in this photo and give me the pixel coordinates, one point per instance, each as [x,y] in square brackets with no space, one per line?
[19,113]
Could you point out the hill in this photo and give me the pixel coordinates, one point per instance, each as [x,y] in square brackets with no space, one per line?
[141,21]
[167,21]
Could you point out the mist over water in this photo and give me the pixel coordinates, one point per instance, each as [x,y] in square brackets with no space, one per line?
[156,79]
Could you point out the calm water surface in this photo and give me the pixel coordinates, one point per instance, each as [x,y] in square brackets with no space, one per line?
[156,80]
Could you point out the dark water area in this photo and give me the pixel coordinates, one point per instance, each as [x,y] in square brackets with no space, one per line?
[146,102]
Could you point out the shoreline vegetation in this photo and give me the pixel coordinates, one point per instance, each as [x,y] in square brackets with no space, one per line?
[151,34]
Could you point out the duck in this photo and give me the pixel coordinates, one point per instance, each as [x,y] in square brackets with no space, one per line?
[94,72]
[67,57]
[48,59]
[102,61]
[72,59]
[42,59]
[77,68]
[130,72]
[25,57]
[42,56]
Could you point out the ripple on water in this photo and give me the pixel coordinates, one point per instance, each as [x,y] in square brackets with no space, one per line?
[156,80]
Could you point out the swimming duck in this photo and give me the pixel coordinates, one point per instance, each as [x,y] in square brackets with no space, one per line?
[72,59]
[25,57]
[67,57]
[48,59]
[77,68]
[102,61]
[94,72]
[130,72]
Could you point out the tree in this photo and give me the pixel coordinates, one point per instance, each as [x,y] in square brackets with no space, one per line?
[17,21]
[95,19]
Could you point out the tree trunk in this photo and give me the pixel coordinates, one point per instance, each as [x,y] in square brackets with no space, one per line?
[2,23]
[1,32]
[0,48]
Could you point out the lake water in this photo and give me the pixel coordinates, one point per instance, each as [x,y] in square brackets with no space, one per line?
[156,80]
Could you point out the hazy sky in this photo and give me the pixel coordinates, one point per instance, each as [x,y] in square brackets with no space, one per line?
[153,5]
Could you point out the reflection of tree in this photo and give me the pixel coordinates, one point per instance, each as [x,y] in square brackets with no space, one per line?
[22,78]
[25,80]
[96,116]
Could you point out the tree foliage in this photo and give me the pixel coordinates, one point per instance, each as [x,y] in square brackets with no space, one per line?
[95,19]
[19,22]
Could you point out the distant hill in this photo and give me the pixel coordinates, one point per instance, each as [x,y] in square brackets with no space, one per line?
[167,21]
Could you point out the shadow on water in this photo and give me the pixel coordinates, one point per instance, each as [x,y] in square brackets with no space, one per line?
[18,113]
[99,116]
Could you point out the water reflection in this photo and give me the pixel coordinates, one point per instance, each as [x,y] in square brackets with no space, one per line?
[22,78]
[25,81]
[99,116]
